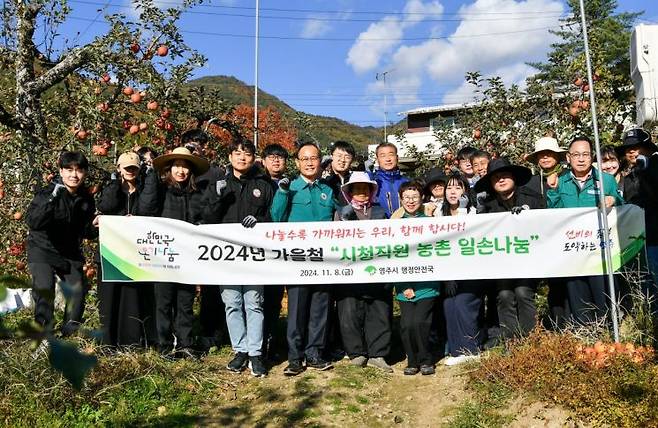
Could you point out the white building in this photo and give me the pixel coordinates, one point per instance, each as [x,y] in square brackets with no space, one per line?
[421,124]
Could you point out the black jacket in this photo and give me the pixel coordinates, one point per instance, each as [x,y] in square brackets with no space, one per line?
[59,225]
[641,189]
[114,200]
[538,183]
[251,194]
[157,199]
[522,196]
[334,181]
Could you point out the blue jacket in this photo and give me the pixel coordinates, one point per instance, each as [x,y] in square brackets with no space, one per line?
[388,183]
[304,202]
[569,194]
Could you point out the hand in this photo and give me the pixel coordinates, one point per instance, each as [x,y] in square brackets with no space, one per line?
[450,288]
[463,201]
[517,210]
[429,208]
[551,181]
[58,190]
[346,212]
[113,176]
[96,221]
[609,201]
[284,184]
[249,221]
[641,162]
[409,293]
[220,186]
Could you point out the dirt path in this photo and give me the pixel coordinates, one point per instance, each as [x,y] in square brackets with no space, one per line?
[357,397]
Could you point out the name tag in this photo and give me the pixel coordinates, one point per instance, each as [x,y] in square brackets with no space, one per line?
[593,191]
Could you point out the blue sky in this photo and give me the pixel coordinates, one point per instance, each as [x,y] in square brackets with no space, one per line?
[324,57]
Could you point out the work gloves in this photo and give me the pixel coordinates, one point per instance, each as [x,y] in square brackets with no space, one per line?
[284,184]
[249,221]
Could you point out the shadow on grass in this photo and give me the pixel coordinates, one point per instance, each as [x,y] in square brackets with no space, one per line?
[302,404]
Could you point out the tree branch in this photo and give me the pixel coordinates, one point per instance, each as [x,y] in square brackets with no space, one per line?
[73,60]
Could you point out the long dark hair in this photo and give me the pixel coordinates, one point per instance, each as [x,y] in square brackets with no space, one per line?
[170,182]
[463,182]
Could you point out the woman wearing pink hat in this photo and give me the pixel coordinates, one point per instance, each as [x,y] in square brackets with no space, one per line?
[125,308]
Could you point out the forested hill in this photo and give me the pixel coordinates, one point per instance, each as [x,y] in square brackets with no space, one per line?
[325,129]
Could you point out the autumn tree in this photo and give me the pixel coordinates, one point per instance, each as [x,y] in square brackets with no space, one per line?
[508,120]
[272,127]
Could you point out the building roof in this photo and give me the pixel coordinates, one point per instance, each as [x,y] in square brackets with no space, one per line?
[439,108]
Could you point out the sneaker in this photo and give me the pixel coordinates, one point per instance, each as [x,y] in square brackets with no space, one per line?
[426,369]
[319,364]
[453,361]
[410,371]
[294,368]
[257,367]
[359,361]
[239,362]
[381,364]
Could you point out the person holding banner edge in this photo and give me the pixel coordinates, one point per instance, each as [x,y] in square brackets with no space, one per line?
[243,195]
[125,308]
[587,295]
[306,198]
[177,197]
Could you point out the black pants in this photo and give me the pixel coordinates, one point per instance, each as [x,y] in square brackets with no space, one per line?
[74,287]
[272,297]
[517,312]
[308,311]
[462,312]
[212,315]
[174,308]
[415,326]
[365,326]
[587,298]
[558,303]
[127,313]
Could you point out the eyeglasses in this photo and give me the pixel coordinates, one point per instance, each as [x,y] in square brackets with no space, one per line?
[411,198]
[583,155]
[275,157]
[343,157]
[310,159]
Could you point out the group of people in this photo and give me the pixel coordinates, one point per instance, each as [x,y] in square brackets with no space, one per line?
[453,318]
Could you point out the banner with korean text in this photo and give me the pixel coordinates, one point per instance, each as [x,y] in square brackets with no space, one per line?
[532,244]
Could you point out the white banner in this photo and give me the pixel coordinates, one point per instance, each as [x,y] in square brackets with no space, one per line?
[533,244]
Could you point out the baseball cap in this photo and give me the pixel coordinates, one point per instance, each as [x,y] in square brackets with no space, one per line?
[128,159]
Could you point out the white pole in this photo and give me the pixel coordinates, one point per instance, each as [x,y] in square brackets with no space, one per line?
[256,77]
[602,208]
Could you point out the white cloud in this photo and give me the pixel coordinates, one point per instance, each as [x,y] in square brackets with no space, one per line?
[382,37]
[495,37]
[315,28]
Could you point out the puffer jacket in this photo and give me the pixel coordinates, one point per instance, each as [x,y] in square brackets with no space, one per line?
[57,226]
[251,194]
[388,183]
[160,200]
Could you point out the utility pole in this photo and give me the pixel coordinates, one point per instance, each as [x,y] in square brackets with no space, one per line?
[256,77]
[603,215]
[383,78]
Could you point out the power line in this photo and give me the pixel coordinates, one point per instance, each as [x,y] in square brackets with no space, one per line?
[348,39]
[351,12]
[336,19]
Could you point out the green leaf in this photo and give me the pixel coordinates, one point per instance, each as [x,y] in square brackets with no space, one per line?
[9,281]
[68,360]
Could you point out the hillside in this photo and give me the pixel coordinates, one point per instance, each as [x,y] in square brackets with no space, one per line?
[324,129]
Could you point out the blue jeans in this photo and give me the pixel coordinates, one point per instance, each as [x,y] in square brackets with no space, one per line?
[244,317]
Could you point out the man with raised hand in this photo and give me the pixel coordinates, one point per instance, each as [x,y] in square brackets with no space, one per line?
[307,198]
